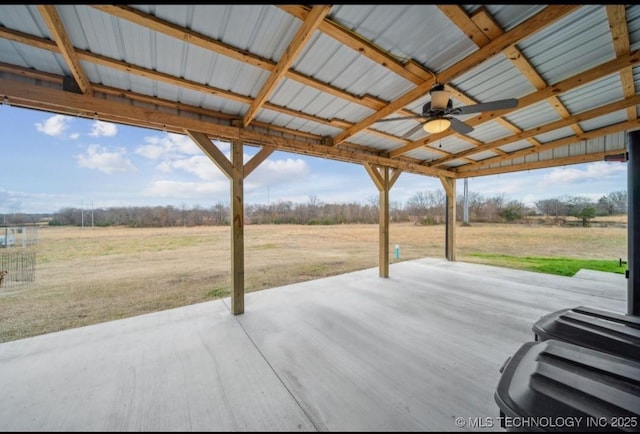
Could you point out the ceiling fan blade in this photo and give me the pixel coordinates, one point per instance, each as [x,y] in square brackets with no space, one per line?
[402,118]
[488,106]
[412,131]
[460,127]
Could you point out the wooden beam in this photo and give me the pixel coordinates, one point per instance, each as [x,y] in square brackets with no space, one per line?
[236,171]
[193,85]
[167,28]
[617,15]
[383,178]
[187,35]
[32,94]
[541,20]
[363,47]
[212,151]
[581,117]
[485,23]
[299,41]
[449,185]
[257,159]
[543,164]
[59,33]
[570,83]
[395,174]
[476,168]
[458,16]
[367,101]
[237,228]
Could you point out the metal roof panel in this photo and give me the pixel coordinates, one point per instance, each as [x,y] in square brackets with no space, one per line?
[388,26]
[575,43]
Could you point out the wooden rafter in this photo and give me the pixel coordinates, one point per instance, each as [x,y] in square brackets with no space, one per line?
[479,26]
[481,23]
[620,36]
[563,86]
[595,73]
[26,94]
[544,18]
[56,28]
[477,166]
[590,114]
[409,71]
[170,29]
[541,164]
[301,38]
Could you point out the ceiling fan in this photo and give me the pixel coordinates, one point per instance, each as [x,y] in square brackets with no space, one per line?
[438,114]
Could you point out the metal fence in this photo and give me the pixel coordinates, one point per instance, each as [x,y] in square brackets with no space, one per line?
[15,236]
[20,266]
[17,254]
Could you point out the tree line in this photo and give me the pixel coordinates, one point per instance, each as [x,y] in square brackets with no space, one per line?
[426,207]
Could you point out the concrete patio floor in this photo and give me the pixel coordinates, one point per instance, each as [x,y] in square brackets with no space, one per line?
[354,352]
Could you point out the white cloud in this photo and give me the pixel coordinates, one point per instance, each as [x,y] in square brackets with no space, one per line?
[496,185]
[168,146]
[173,151]
[55,125]
[592,172]
[188,190]
[103,129]
[99,158]
[199,165]
[272,172]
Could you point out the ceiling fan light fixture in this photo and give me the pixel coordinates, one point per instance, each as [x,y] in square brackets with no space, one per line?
[437,125]
[439,99]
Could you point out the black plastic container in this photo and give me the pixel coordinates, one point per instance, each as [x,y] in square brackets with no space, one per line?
[557,386]
[599,329]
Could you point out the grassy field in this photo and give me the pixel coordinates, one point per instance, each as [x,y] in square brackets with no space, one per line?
[90,275]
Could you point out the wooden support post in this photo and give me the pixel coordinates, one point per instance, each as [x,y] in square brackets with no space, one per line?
[237,229]
[383,180]
[236,171]
[633,238]
[383,223]
[449,185]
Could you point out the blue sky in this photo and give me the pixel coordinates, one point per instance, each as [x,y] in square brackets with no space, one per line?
[50,161]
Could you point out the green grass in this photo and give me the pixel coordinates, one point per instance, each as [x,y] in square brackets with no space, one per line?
[559,266]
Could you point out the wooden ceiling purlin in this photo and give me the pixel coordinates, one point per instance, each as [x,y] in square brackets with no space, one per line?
[631,101]
[180,107]
[155,75]
[570,83]
[485,28]
[611,129]
[56,100]
[56,28]
[479,26]
[298,42]
[155,101]
[542,164]
[617,15]
[198,87]
[544,18]
[170,29]
[157,24]
[410,71]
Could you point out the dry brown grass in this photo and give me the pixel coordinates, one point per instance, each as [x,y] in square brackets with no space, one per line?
[90,275]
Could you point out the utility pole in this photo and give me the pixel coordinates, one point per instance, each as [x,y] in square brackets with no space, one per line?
[465,212]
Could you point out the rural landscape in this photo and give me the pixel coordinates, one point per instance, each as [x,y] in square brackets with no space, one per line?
[91,274]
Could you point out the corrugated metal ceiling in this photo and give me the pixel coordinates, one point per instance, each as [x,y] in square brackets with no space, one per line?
[361,64]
